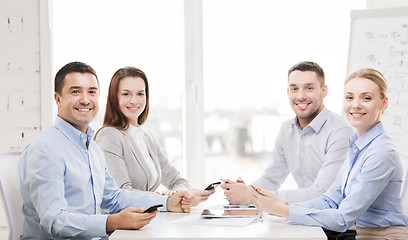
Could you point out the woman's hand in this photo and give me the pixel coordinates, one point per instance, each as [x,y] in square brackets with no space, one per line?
[199,196]
[168,192]
[179,202]
[269,202]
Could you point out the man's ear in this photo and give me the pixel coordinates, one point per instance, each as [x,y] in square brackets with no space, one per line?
[57,99]
[325,91]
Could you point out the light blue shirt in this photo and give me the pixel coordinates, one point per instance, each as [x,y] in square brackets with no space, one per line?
[313,156]
[366,191]
[65,184]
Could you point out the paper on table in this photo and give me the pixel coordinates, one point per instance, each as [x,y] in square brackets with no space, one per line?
[231,222]
[231,213]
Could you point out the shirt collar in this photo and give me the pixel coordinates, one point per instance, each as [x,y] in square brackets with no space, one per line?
[317,123]
[72,133]
[367,137]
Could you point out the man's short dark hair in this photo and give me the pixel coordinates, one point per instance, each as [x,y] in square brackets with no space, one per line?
[70,68]
[309,66]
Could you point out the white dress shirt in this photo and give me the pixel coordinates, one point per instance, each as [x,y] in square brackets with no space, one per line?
[313,156]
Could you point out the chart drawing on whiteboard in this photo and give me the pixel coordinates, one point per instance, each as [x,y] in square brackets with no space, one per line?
[381,42]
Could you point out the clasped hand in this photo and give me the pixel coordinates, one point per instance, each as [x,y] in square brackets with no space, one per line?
[269,202]
[237,193]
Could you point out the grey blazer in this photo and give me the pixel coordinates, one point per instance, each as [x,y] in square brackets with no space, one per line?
[126,166]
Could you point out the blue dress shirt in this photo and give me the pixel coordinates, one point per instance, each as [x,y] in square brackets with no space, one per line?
[366,191]
[65,184]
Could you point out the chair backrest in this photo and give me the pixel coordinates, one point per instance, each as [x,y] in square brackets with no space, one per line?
[404,194]
[10,193]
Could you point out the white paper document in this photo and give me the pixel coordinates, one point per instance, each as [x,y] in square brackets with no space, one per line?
[231,222]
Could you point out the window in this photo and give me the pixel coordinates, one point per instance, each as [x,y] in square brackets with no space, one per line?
[248,48]
[109,35]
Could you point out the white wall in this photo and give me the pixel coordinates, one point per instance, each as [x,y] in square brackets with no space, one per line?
[386,3]
[25,80]
[25,76]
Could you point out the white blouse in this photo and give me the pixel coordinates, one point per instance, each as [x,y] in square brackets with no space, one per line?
[137,135]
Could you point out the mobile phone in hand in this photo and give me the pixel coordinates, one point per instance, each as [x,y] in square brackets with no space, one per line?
[153,208]
[212,185]
[224,180]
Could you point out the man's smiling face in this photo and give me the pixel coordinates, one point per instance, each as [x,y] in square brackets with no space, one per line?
[305,95]
[78,102]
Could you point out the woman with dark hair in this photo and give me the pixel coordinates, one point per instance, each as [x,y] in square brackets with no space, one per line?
[134,157]
[366,191]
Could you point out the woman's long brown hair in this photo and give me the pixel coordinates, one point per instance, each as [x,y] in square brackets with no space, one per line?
[113,115]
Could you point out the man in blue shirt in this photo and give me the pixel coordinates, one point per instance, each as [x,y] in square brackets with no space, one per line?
[64,179]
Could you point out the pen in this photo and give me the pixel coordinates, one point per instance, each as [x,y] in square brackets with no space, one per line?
[239,206]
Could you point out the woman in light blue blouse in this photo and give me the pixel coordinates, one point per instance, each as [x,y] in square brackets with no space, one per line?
[366,191]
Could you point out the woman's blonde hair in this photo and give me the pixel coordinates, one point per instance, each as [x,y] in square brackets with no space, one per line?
[373,75]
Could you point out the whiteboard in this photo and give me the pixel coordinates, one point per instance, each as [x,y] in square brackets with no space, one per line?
[379,39]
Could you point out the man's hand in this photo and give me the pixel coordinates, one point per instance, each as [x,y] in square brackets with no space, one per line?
[237,193]
[129,218]
[199,196]
[179,202]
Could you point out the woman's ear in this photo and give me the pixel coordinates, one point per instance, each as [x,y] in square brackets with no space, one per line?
[385,104]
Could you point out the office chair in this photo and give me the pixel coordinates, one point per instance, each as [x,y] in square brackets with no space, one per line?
[404,193]
[10,193]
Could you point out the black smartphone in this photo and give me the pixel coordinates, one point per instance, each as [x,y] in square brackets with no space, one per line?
[153,208]
[213,185]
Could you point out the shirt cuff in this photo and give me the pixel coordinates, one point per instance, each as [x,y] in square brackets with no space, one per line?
[97,224]
[297,213]
[164,209]
[160,199]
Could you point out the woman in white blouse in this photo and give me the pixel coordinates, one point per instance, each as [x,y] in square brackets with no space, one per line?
[134,157]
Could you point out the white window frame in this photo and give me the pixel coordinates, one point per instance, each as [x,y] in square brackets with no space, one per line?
[46,64]
[193,107]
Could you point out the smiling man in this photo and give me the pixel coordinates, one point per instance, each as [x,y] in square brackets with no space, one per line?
[312,146]
[65,184]
[78,101]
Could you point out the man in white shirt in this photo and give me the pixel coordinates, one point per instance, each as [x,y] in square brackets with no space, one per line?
[312,146]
